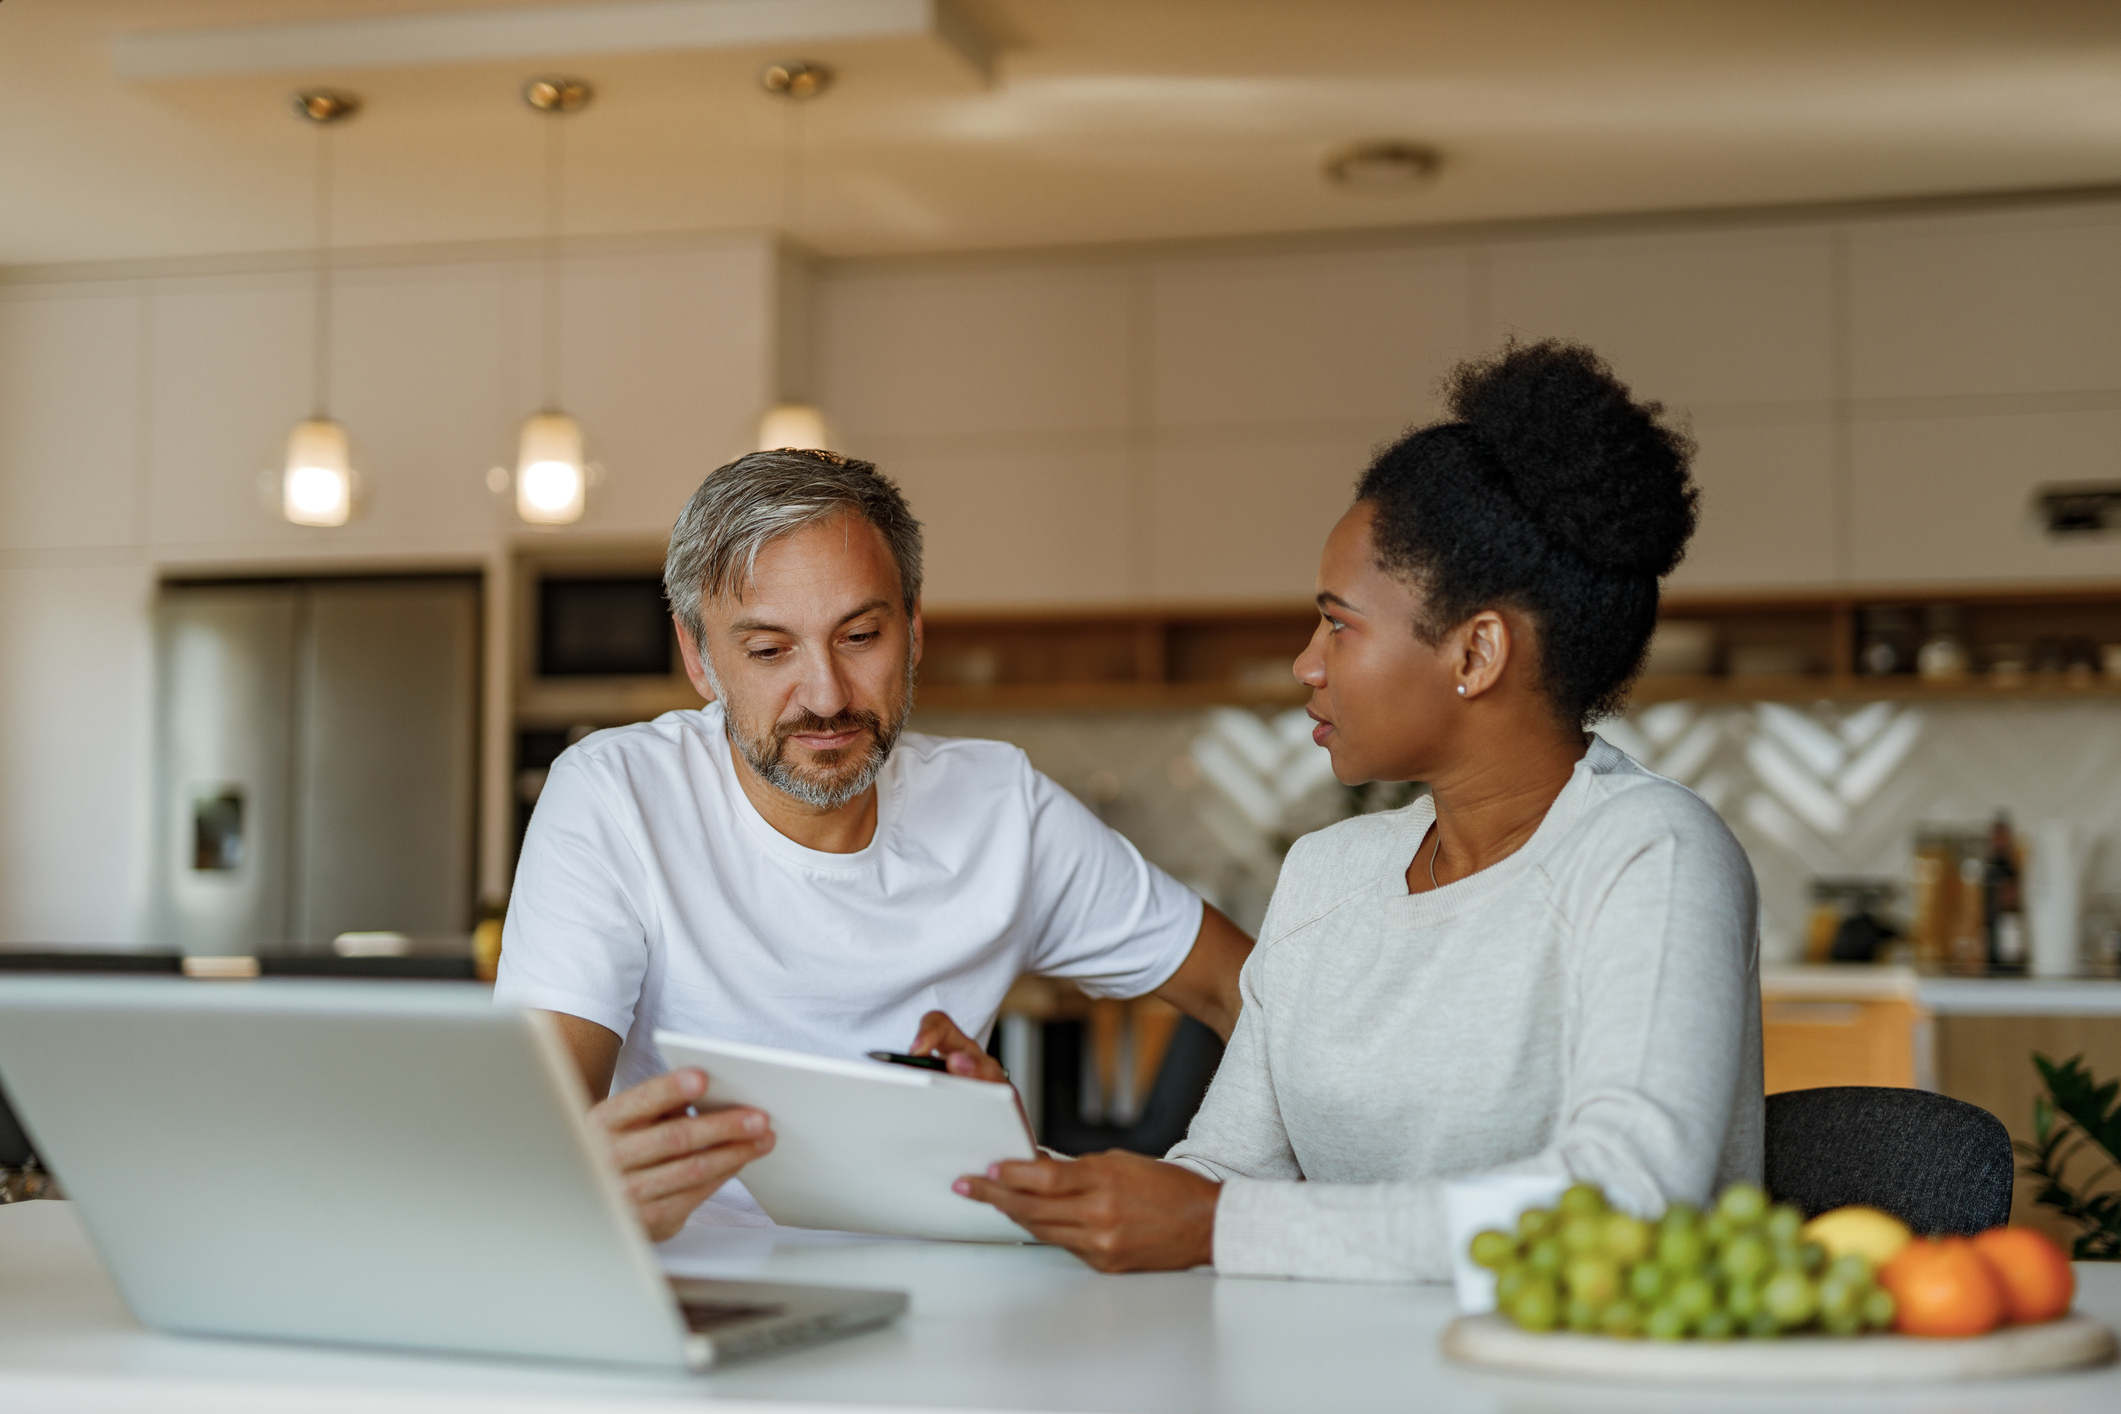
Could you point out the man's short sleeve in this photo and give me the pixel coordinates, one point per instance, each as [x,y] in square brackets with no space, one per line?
[1105,918]
[575,940]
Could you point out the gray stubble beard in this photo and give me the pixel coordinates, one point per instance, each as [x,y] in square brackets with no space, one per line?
[767,755]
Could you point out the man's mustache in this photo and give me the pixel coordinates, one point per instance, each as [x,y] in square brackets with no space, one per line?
[810,724]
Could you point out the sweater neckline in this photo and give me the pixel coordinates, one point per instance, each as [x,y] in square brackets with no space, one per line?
[1476,889]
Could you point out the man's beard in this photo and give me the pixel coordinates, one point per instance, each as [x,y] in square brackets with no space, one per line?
[767,753]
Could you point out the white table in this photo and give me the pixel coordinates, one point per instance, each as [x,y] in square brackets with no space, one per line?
[991,1328]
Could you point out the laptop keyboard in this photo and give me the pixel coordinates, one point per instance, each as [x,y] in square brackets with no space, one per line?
[704,1317]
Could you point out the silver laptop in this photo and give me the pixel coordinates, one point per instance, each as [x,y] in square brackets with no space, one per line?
[397,1164]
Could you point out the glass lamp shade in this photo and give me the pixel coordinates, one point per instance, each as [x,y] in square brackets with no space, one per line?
[794,425]
[552,482]
[317,487]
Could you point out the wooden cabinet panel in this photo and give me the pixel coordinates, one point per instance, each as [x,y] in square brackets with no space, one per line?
[1806,1044]
[1988,1061]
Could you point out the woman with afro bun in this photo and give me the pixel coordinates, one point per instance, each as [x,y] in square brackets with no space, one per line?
[1546,965]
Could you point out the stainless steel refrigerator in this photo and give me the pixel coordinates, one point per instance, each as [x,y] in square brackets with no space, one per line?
[315,762]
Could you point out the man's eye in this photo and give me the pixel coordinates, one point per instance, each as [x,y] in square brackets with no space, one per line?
[1335,624]
[767,655]
[869,637]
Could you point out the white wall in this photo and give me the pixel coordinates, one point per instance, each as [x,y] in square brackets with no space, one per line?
[1874,398]
[137,416]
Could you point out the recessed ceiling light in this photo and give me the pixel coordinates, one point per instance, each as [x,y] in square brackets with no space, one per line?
[1383,166]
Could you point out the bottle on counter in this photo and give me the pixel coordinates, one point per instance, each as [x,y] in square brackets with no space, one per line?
[2003,899]
[1969,946]
[1934,897]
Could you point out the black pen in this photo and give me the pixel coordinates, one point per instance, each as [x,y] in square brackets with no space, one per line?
[917,1062]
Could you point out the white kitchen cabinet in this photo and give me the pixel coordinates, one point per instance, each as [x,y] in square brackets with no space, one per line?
[1948,498]
[1307,338]
[1687,318]
[1011,348]
[71,440]
[1025,520]
[1767,504]
[1242,515]
[2022,301]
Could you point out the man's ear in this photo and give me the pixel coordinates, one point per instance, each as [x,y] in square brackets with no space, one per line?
[1485,645]
[919,633]
[695,668]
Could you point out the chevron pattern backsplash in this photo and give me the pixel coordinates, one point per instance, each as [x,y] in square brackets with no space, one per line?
[1826,790]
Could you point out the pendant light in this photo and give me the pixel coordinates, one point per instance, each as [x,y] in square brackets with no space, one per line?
[317,484]
[552,477]
[795,81]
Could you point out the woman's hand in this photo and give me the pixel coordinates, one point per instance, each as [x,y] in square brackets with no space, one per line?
[670,1159]
[1119,1212]
[939,1036]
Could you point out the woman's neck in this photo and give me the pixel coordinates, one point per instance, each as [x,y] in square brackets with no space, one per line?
[1485,813]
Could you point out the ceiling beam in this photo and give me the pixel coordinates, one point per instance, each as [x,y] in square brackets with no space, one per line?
[541,32]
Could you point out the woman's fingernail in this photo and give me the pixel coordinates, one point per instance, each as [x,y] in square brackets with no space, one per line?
[753,1123]
[963,1186]
[994,1171]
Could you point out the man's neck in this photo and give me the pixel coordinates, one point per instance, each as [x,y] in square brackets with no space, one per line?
[843,831]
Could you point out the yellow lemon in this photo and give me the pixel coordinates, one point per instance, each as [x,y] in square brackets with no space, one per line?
[1875,1236]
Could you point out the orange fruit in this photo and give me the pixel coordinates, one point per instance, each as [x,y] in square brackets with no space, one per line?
[1943,1286]
[2036,1276]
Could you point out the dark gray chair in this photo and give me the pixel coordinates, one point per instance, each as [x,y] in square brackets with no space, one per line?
[1938,1164]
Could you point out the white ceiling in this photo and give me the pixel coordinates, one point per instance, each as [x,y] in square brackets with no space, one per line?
[1107,120]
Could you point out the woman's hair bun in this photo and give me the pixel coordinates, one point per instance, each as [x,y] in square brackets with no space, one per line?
[1594,469]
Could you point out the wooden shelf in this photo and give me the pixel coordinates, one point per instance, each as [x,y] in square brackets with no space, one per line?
[1185,657]
[1116,659]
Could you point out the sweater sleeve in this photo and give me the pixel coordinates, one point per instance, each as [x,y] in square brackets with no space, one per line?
[1661,926]
[1238,1132]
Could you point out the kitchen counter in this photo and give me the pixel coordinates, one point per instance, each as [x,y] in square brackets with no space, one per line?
[1946,996]
[1017,1328]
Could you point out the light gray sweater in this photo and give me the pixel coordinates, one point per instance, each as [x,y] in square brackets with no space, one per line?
[1589,1006]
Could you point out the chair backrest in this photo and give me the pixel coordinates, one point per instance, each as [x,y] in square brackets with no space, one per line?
[1938,1164]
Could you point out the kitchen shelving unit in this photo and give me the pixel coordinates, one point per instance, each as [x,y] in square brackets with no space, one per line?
[1192,655]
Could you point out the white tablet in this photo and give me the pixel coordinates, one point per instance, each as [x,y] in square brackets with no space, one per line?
[863,1146]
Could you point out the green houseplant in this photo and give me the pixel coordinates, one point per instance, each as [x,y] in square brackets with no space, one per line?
[2077,1113]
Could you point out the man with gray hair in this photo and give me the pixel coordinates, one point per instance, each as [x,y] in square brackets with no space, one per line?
[788,866]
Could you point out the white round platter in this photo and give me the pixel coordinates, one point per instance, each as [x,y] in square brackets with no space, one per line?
[2070,1343]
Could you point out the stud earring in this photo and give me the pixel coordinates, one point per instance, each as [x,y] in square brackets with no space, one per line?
[1461,689]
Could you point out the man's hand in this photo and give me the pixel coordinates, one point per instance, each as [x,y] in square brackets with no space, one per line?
[1119,1212]
[939,1036]
[672,1161]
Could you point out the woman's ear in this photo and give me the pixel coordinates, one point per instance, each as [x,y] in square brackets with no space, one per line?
[1484,651]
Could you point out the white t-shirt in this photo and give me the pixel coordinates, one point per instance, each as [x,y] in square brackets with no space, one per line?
[651,893]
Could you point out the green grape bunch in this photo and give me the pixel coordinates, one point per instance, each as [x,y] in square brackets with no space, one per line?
[1739,1270]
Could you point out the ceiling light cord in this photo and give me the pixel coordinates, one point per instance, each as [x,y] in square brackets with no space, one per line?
[320,322]
[555,197]
[792,137]
[794,81]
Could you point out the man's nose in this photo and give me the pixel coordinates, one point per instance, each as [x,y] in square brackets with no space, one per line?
[824,688]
